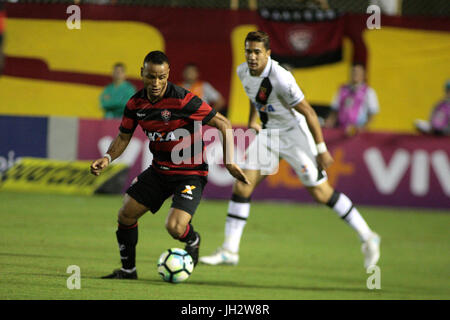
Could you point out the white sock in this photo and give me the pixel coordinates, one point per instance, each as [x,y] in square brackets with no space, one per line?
[238,213]
[345,209]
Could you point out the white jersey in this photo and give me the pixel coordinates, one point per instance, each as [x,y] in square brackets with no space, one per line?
[293,140]
[284,96]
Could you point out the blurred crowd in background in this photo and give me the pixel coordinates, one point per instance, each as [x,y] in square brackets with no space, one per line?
[355,104]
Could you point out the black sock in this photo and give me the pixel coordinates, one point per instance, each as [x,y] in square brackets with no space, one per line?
[189,235]
[127,237]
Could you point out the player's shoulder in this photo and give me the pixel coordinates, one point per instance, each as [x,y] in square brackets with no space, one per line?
[279,76]
[174,91]
[279,72]
[136,99]
[180,97]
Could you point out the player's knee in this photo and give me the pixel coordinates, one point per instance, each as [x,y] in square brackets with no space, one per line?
[321,193]
[320,198]
[126,216]
[243,190]
[175,228]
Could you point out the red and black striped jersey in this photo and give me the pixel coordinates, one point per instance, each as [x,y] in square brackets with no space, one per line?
[173,126]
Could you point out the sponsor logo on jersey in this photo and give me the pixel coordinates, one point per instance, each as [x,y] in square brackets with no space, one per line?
[264,108]
[161,136]
[304,169]
[186,196]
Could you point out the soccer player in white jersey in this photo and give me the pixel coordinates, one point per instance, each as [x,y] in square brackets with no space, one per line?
[275,95]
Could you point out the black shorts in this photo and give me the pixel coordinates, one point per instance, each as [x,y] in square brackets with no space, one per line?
[152,188]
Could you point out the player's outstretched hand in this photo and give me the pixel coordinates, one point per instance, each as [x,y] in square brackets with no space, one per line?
[237,172]
[324,160]
[98,165]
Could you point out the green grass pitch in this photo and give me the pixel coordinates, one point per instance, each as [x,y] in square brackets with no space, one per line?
[288,252]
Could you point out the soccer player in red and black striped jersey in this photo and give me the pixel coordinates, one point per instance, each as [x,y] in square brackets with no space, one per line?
[172,118]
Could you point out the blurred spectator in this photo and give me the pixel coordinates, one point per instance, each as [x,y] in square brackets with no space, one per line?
[2,30]
[354,105]
[202,89]
[115,95]
[439,123]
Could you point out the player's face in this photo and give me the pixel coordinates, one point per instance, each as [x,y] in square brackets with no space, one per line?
[155,78]
[256,56]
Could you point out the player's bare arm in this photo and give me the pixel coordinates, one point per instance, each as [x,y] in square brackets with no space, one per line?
[253,118]
[324,158]
[224,126]
[116,148]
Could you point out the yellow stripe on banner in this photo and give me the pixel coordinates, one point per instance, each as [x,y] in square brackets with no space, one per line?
[407,69]
[92,49]
[44,98]
[54,176]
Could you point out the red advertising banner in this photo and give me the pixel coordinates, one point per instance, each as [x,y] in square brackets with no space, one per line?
[371,168]
[304,38]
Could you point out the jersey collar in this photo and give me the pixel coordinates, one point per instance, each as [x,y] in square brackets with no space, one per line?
[266,70]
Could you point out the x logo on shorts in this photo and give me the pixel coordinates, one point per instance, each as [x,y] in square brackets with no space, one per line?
[188,189]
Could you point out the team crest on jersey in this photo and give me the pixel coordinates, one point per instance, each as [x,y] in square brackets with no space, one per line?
[262,94]
[264,91]
[165,115]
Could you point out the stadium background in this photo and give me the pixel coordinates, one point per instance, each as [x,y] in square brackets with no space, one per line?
[53,77]
[57,74]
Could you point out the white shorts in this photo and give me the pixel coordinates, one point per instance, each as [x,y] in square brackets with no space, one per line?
[292,144]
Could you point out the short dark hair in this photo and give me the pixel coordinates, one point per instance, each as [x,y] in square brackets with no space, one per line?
[119,64]
[259,36]
[156,57]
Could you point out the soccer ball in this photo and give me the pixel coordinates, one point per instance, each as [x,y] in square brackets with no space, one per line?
[175,265]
